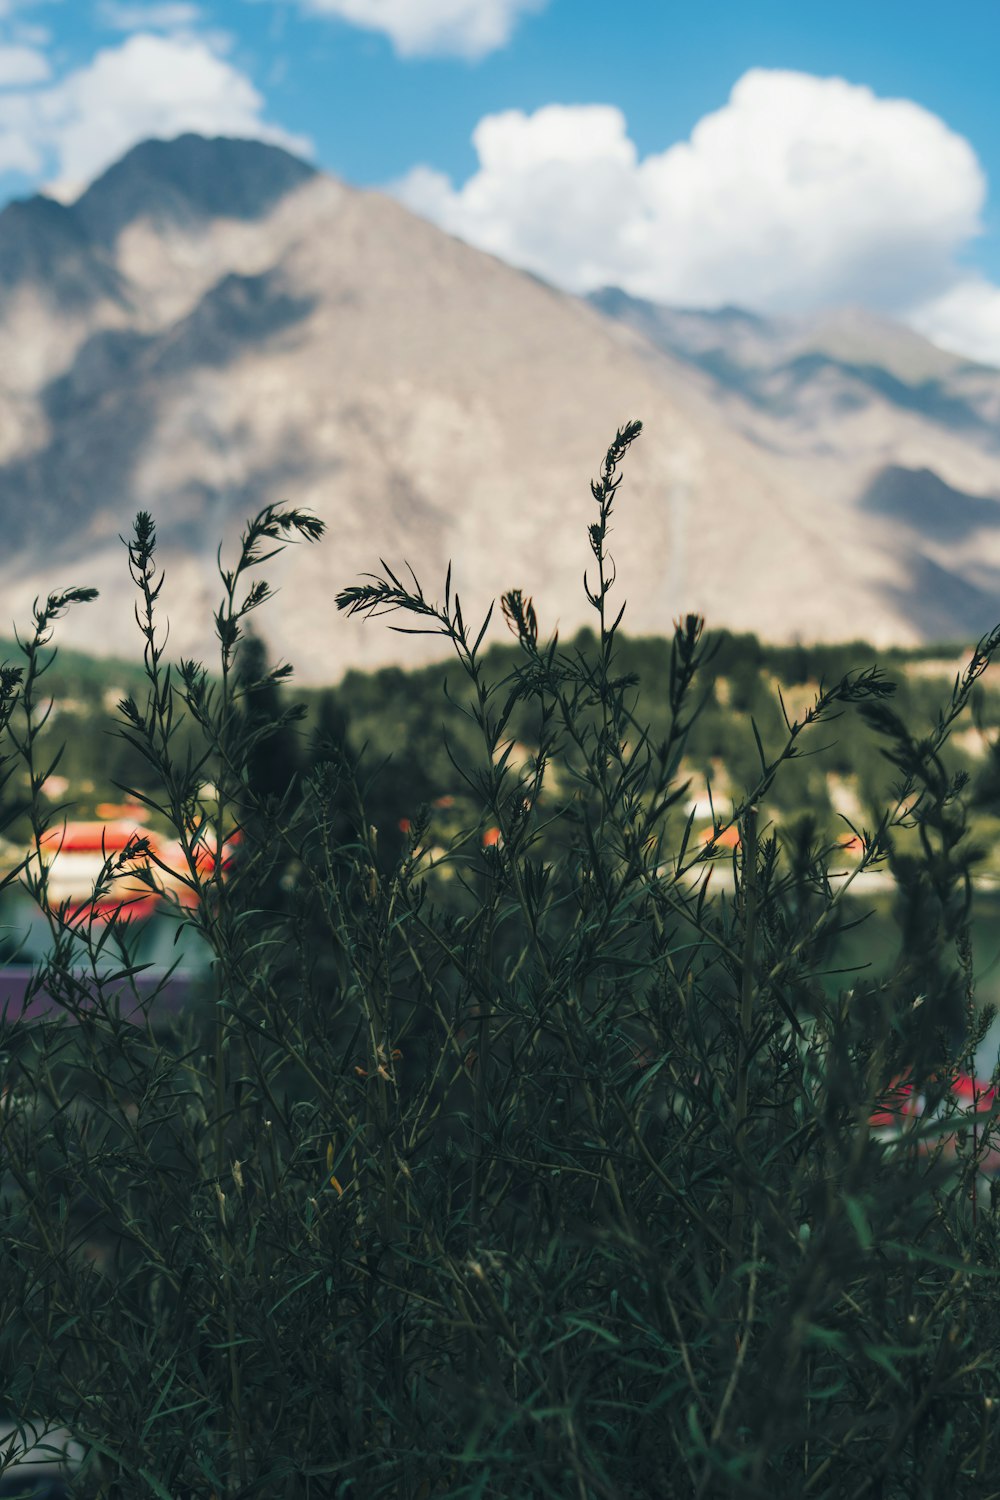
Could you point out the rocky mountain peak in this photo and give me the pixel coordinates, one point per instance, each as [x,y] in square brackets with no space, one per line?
[187,180]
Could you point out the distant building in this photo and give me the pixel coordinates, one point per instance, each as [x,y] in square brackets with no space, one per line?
[77,854]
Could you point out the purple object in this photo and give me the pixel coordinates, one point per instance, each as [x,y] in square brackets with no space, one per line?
[171,997]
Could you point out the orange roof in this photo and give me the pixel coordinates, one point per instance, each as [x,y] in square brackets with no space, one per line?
[729,838]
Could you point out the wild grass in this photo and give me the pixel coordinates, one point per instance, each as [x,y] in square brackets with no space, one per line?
[556,1180]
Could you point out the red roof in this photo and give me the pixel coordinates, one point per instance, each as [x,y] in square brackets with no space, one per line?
[86,838]
[897,1100]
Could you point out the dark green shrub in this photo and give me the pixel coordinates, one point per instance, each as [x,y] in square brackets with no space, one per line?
[551,1178]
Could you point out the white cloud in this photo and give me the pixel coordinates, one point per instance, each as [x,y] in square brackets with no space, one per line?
[463,28]
[148,86]
[800,192]
[172,15]
[964,319]
[21,65]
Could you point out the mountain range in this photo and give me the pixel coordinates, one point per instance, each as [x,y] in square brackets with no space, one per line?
[214,325]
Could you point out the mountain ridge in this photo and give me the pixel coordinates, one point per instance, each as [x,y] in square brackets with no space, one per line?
[190,178]
[289,338]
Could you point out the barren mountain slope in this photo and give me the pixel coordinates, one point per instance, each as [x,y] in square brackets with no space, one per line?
[287,338]
[861,408]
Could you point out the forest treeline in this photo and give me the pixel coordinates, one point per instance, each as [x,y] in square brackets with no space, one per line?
[405,729]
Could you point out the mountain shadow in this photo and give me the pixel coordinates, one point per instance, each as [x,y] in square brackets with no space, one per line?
[104,361]
[927,398]
[104,410]
[237,313]
[742,352]
[945,605]
[44,243]
[923,502]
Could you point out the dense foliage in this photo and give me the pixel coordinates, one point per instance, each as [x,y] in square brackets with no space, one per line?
[399,726]
[504,1159]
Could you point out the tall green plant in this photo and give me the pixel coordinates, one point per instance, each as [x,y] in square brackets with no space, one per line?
[551,1177]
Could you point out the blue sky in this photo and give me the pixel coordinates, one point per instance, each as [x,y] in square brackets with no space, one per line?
[781,156]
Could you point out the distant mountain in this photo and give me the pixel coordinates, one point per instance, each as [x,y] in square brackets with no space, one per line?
[879,423]
[805,377]
[187,182]
[808,371]
[729,341]
[213,325]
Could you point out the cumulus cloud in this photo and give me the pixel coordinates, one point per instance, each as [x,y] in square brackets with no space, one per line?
[463,28]
[148,86]
[20,65]
[800,192]
[965,319]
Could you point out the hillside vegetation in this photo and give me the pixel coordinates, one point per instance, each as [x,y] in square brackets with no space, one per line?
[403,729]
